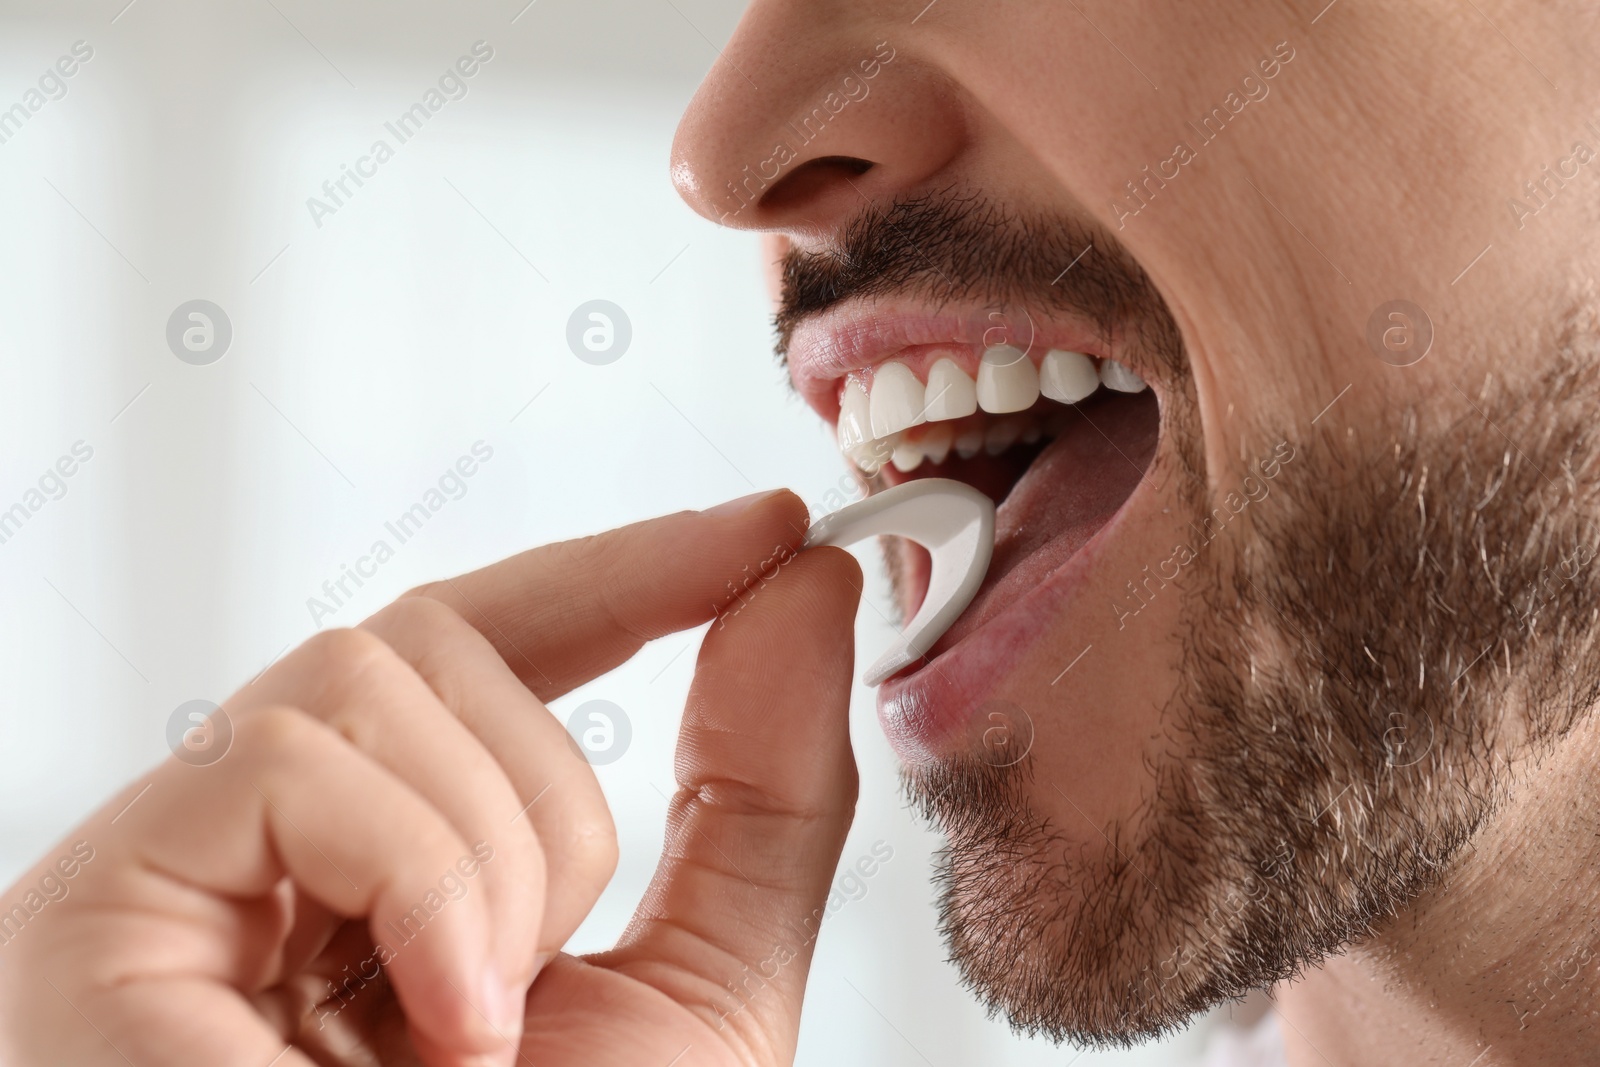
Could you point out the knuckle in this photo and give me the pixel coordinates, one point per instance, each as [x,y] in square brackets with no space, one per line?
[429,590]
[590,850]
[278,734]
[421,613]
[576,833]
[361,730]
[438,644]
[763,804]
[341,657]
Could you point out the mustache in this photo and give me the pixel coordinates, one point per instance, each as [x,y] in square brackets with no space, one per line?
[954,247]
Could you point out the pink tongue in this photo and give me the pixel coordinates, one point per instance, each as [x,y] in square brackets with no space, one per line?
[1068,493]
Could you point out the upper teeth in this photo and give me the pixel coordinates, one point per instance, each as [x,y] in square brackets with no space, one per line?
[1007,380]
[898,400]
[950,393]
[1120,378]
[872,424]
[1067,376]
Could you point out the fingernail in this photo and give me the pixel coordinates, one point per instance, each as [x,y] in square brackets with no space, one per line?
[742,504]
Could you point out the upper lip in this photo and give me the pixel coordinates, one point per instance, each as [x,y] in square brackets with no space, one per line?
[858,334]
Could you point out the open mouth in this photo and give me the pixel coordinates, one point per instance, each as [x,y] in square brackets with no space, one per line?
[1058,436]
[1058,440]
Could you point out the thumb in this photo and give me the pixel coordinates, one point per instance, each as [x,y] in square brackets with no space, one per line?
[766,792]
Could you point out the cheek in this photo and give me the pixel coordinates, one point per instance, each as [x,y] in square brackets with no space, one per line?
[1099,728]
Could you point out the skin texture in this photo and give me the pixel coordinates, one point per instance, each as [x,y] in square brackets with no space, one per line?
[1353,731]
[217,914]
[1221,798]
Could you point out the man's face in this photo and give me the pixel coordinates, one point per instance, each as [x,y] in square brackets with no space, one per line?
[1261,641]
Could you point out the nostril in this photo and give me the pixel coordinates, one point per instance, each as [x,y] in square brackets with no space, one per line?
[813,179]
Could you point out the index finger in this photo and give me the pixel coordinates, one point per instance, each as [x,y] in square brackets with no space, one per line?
[568,612]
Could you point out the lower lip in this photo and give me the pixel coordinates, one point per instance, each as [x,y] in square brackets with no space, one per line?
[928,713]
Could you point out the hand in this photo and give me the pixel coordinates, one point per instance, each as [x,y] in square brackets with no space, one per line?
[385,864]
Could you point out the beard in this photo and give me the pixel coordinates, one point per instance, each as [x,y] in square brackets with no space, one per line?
[1414,613]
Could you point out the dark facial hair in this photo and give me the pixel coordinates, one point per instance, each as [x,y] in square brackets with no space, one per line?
[945,247]
[1416,608]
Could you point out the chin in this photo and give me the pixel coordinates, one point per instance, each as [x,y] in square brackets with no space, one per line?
[1216,712]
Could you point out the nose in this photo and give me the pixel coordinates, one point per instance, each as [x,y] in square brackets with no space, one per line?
[814,113]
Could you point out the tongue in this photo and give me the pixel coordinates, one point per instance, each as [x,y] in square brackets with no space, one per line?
[1062,499]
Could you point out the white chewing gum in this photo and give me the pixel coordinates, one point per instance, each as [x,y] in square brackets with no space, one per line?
[953,521]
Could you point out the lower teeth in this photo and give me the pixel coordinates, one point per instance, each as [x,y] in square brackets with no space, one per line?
[990,435]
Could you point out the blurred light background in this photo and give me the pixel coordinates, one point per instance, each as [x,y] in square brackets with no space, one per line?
[371,348]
